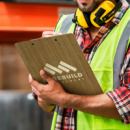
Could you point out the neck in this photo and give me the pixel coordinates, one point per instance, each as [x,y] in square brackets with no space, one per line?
[92,30]
[114,1]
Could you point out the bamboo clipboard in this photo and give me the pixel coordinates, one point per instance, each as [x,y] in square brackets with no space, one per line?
[61,57]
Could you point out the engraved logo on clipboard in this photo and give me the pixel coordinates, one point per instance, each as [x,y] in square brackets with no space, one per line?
[63,67]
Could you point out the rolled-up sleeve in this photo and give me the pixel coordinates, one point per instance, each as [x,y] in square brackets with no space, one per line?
[121,98]
[121,95]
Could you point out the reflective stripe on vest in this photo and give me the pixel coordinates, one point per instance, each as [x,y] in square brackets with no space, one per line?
[116,42]
[67,25]
[120,54]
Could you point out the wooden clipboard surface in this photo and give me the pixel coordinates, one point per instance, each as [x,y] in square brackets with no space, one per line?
[61,57]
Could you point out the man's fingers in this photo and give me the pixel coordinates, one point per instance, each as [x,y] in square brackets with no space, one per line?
[48,33]
[35,90]
[30,77]
[34,83]
[46,76]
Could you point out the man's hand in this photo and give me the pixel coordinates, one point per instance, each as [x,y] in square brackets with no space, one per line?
[50,33]
[51,93]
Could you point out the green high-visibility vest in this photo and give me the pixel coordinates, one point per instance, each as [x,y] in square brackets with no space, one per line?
[106,65]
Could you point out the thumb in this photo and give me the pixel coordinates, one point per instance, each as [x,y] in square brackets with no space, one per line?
[45,76]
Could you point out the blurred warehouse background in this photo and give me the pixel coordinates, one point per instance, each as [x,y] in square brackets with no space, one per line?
[22,20]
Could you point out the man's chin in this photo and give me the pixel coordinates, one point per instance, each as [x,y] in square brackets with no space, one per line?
[85,10]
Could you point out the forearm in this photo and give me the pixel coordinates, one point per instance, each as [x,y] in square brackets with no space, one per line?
[100,105]
[53,92]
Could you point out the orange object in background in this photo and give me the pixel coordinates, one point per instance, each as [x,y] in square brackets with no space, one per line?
[26,21]
[21,22]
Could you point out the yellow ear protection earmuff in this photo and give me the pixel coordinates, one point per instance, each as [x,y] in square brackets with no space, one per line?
[82,18]
[103,14]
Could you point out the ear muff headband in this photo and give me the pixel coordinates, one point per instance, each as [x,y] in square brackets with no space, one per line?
[103,9]
[103,14]
[113,11]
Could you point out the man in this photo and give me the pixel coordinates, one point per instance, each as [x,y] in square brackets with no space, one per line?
[105,49]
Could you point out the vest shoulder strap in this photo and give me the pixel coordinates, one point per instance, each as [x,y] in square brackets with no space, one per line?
[64,23]
[121,50]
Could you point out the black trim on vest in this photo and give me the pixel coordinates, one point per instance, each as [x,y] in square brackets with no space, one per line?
[75,119]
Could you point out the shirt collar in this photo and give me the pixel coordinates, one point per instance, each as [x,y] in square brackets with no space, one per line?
[119,14]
